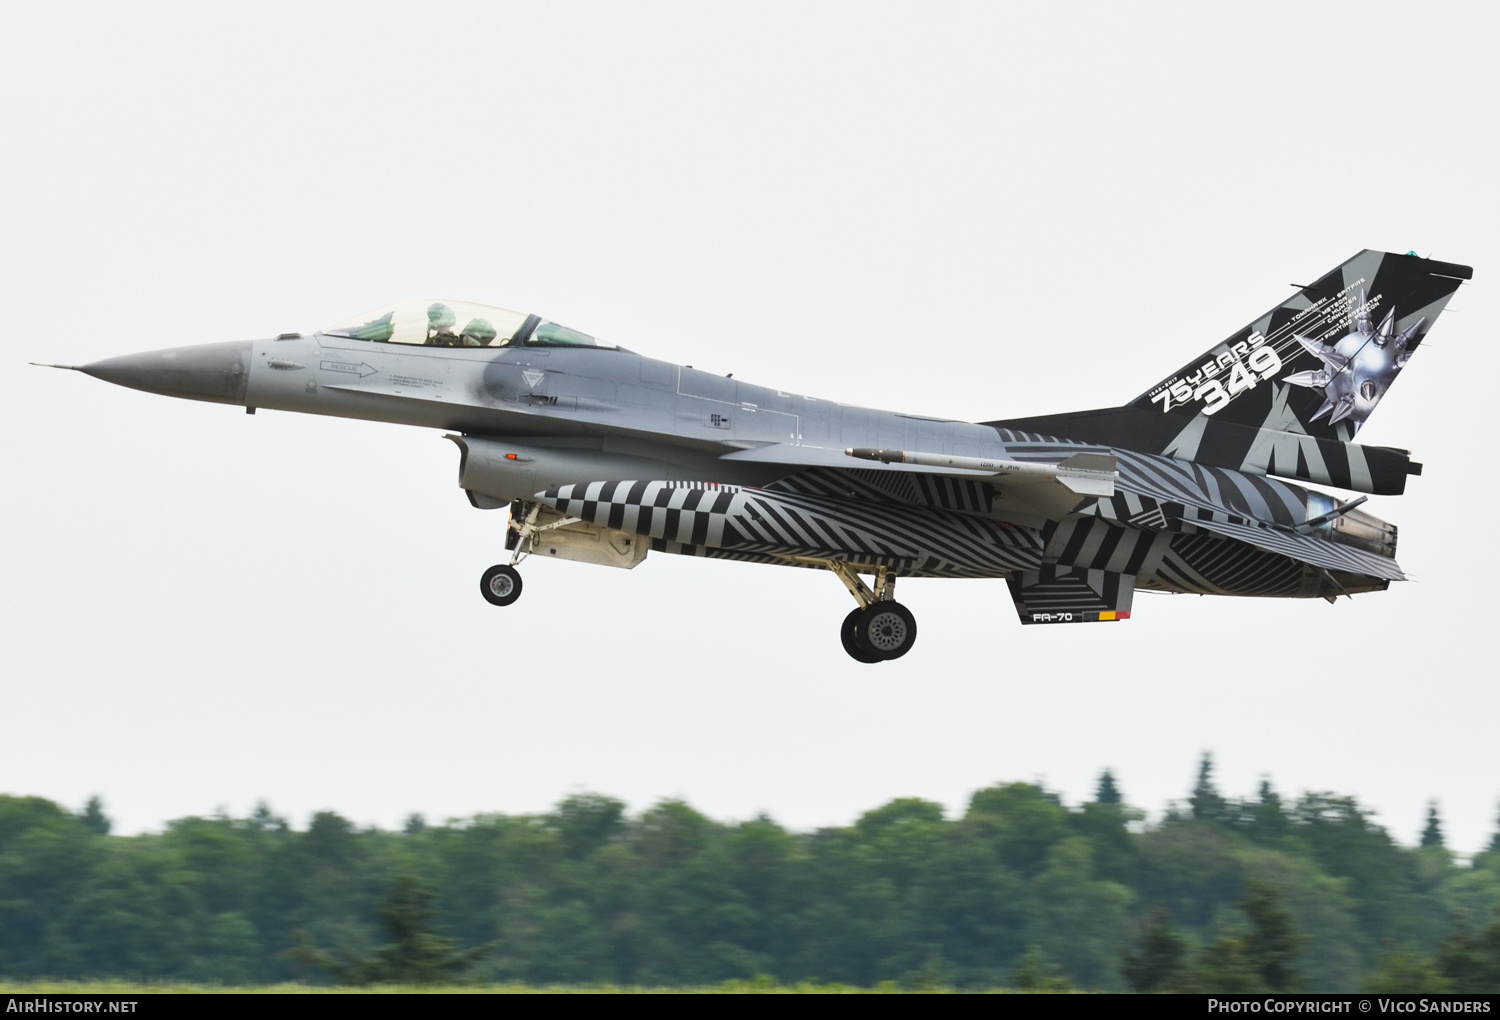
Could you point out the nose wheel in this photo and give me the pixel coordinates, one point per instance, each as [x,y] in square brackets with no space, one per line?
[500,585]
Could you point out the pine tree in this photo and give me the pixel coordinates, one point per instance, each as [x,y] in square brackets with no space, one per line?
[1036,974]
[265,821]
[1471,964]
[1108,792]
[1222,966]
[1495,839]
[93,818]
[1261,960]
[1207,805]
[1268,818]
[1433,834]
[1157,956]
[1273,944]
[414,952]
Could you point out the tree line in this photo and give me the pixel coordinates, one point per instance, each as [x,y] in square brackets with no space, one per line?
[1021,890]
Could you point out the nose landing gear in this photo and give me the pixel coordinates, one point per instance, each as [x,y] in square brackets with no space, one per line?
[501,584]
[881,628]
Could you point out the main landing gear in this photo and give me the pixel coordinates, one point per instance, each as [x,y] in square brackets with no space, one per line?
[881,628]
[501,584]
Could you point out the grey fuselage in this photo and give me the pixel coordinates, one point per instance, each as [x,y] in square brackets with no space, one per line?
[580,393]
[533,419]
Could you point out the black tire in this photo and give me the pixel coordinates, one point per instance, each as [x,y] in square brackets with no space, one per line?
[887,629]
[847,634]
[500,585]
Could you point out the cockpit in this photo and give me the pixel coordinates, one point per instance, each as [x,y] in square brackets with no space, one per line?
[459,324]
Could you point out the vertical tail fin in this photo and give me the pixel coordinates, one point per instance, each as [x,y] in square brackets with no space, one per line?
[1318,363]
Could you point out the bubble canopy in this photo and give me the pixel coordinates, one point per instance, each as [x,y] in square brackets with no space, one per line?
[428,323]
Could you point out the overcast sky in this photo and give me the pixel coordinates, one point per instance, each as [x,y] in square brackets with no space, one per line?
[969,210]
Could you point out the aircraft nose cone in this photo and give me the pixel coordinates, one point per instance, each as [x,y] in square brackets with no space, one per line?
[217,372]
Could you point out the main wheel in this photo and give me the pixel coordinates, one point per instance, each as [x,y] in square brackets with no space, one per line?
[847,634]
[500,585]
[887,629]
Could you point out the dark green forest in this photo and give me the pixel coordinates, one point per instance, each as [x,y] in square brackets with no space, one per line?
[1022,890]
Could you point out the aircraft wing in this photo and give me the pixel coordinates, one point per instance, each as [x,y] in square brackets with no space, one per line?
[1029,493]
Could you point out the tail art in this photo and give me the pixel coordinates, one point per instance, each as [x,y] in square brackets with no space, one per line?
[1286,394]
[1358,369]
[1316,364]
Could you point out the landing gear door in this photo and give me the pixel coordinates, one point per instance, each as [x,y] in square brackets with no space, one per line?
[584,542]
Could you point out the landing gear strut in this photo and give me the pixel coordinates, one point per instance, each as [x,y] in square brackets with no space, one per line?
[881,628]
[501,584]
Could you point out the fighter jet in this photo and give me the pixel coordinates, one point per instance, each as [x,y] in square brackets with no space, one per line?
[603,455]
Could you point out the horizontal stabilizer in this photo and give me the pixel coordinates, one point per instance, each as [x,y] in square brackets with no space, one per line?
[1056,594]
[1314,549]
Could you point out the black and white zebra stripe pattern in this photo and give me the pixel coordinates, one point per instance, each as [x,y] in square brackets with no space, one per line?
[1153,493]
[1054,589]
[941,492]
[1096,544]
[1208,565]
[1167,480]
[913,539]
[939,526]
[1163,493]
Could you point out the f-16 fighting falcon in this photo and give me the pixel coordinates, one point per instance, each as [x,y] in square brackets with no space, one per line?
[604,455]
